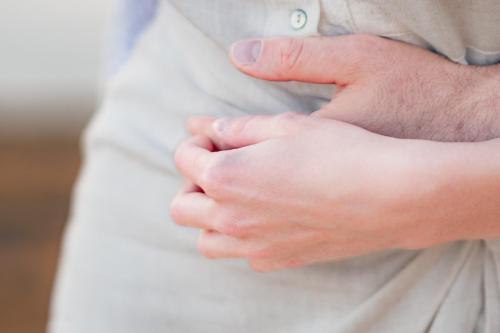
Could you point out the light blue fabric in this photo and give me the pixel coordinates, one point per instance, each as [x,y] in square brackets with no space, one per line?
[132,17]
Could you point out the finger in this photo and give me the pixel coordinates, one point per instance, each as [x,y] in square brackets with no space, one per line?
[204,126]
[200,125]
[249,130]
[189,187]
[192,209]
[193,156]
[215,245]
[340,59]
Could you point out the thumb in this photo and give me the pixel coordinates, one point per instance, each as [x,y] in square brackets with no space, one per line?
[249,130]
[336,60]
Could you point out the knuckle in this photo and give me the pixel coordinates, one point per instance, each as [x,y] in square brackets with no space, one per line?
[214,176]
[290,52]
[209,179]
[230,226]
[178,156]
[242,125]
[365,53]
[176,212]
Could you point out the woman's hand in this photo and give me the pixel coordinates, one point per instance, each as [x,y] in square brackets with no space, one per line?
[291,190]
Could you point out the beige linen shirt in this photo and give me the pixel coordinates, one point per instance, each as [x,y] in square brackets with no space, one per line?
[126,267]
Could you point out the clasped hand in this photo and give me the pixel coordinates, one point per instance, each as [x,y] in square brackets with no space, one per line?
[291,190]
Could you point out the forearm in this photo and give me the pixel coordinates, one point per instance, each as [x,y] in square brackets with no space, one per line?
[465,192]
[481,190]
[477,114]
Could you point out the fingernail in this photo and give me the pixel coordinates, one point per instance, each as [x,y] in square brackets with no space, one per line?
[220,125]
[246,52]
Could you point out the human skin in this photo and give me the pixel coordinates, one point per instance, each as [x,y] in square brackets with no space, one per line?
[291,190]
[385,86]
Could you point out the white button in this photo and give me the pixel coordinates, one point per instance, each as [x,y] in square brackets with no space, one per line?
[298,19]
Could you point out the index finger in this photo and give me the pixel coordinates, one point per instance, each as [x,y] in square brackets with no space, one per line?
[193,156]
[200,125]
[203,125]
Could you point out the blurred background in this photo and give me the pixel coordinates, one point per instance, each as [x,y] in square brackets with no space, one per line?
[51,55]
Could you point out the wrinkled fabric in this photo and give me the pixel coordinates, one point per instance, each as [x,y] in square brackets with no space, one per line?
[126,267]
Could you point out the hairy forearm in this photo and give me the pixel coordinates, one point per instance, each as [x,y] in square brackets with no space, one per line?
[474,114]
[407,92]
[452,103]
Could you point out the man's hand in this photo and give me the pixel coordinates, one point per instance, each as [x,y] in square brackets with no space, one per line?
[292,190]
[387,87]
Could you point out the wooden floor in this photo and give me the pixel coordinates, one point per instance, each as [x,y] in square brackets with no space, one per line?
[35,183]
